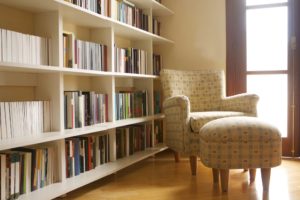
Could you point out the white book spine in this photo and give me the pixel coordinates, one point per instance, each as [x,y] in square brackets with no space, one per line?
[3,121]
[8,46]
[38,50]
[4,44]
[14,47]
[20,48]
[7,119]
[28,158]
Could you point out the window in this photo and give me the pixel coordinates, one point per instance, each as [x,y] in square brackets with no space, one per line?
[267,58]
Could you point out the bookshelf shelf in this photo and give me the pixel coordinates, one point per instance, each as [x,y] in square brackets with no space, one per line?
[17,67]
[159,9]
[58,135]
[121,29]
[46,26]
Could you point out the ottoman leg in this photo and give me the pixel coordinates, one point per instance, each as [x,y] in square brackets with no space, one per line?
[176,156]
[265,177]
[193,164]
[224,179]
[252,173]
[215,175]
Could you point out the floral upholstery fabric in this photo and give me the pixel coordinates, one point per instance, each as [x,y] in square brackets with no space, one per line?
[203,88]
[240,142]
[189,92]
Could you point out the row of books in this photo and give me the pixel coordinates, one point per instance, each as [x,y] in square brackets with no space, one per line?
[129,14]
[131,104]
[98,6]
[131,60]
[22,119]
[80,54]
[132,139]
[85,153]
[157,101]
[23,48]
[26,169]
[155,26]
[157,64]
[84,108]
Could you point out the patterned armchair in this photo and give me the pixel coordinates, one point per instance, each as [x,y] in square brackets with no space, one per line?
[193,98]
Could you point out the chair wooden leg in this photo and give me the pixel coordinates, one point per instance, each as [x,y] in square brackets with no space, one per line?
[252,173]
[176,156]
[215,175]
[224,179]
[193,164]
[265,177]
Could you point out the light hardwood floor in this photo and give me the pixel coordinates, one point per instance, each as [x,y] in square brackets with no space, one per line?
[160,178]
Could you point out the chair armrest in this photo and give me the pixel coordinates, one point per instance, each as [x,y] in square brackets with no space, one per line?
[241,103]
[176,110]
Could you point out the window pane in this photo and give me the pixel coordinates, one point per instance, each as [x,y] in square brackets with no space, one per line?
[267,39]
[263,2]
[272,104]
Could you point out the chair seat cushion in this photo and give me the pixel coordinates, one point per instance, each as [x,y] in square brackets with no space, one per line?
[239,129]
[198,119]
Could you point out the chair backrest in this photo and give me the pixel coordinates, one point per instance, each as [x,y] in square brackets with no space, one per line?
[204,88]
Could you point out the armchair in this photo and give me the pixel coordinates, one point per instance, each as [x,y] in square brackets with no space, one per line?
[193,98]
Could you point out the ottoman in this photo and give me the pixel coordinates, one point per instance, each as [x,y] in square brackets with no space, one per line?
[240,143]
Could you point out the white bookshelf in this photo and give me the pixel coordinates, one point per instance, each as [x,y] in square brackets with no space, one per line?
[28,82]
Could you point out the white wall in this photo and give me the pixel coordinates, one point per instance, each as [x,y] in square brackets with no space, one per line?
[198,30]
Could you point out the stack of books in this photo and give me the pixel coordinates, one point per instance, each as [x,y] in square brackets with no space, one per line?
[80,54]
[132,139]
[24,118]
[98,6]
[131,60]
[85,108]
[22,48]
[128,13]
[131,104]
[26,169]
[85,153]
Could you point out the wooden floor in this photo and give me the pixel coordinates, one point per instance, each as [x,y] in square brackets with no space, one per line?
[160,178]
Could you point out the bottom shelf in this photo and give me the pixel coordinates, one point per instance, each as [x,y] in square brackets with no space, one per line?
[58,189]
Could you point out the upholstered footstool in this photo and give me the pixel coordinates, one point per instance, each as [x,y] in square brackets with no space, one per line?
[240,143]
